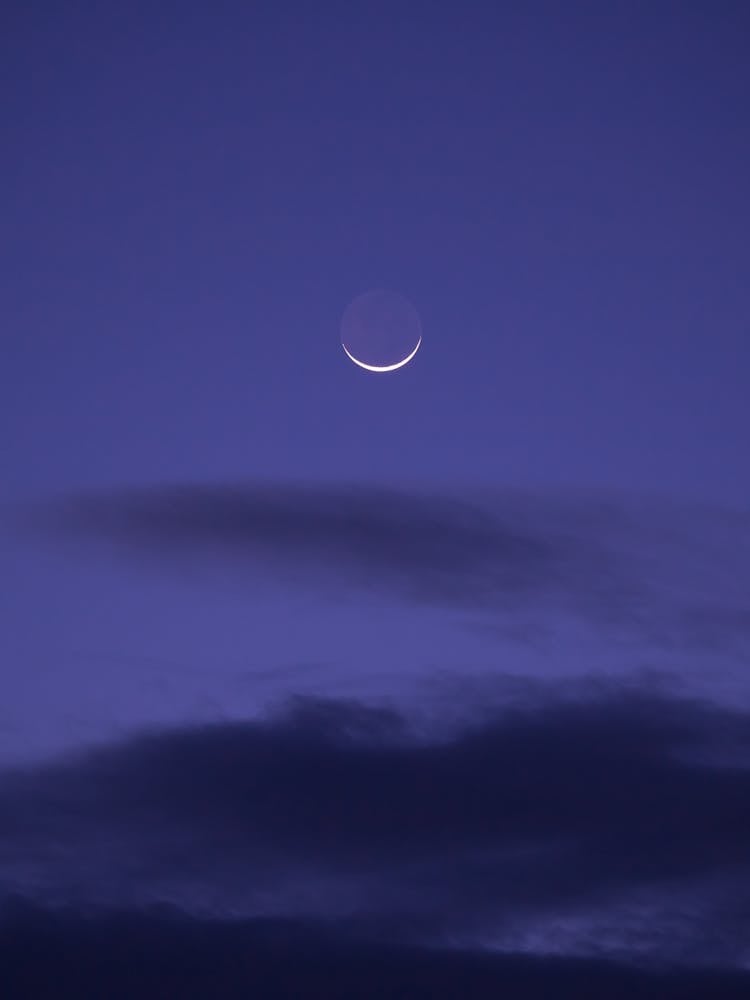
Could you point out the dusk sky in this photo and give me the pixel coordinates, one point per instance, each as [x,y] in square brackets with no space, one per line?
[441,674]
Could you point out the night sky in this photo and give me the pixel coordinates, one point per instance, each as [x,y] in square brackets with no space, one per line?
[320,682]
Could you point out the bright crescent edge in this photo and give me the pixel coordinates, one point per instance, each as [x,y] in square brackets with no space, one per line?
[382,368]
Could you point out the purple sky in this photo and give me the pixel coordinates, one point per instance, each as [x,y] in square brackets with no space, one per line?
[208,508]
[189,203]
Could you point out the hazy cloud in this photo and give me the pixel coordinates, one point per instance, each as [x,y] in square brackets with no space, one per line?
[670,575]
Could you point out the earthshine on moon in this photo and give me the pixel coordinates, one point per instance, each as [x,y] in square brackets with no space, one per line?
[380,331]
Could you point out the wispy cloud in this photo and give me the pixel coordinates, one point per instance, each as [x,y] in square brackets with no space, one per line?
[672,576]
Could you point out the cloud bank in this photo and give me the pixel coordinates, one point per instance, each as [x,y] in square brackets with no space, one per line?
[152,955]
[614,826]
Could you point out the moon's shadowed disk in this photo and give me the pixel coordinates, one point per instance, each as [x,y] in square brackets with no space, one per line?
[380,330]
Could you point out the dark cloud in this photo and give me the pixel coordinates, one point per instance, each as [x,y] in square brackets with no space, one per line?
[615,824]
[674,578]
[153,956]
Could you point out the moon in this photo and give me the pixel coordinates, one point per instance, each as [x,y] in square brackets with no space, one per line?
[381,331]
[382,368]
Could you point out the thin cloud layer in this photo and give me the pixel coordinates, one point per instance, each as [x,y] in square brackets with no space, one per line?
[672,576]
[615,826]
[431,548]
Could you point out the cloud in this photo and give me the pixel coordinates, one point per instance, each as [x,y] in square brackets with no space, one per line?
[674,576]
[432,548]
[615,825]
[156,954]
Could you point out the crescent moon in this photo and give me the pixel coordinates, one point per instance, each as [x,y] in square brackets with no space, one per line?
[382,368]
